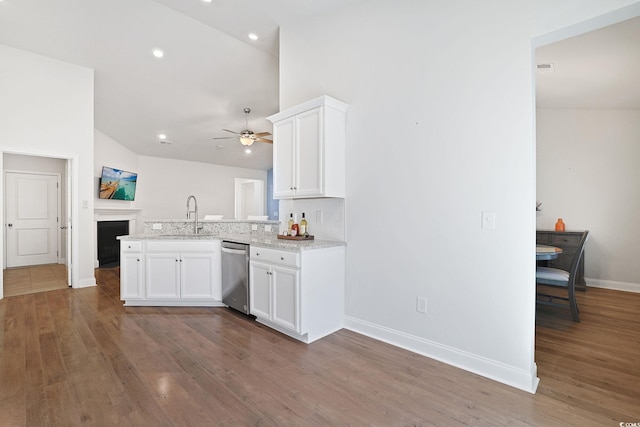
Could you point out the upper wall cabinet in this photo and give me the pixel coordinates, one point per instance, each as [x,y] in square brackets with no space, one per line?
[309,150]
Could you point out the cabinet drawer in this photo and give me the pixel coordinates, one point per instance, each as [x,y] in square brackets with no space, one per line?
[180,246]
[275,257]
[564,240]
[129,246]
[542,238]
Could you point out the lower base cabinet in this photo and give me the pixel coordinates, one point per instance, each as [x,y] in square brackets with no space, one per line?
[300,294]
[171,272]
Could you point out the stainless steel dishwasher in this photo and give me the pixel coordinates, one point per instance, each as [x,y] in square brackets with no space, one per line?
[235,275]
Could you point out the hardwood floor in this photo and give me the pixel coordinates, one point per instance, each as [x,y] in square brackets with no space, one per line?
[37,278]
[77,357]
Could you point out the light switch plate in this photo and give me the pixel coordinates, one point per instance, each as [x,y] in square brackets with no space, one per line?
[156,226]
[489,220]
[254,227]
[267,227]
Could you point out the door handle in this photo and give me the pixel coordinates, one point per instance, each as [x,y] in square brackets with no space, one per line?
[10,225]
[63,227]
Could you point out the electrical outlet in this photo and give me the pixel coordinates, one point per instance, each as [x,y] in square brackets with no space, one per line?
[254,227]
[421,305]
[156,226]
[319,217]
[267,228]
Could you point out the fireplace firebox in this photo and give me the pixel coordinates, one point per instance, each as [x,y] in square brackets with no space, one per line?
[108,245]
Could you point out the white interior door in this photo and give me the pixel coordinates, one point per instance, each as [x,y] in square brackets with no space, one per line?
[31,203]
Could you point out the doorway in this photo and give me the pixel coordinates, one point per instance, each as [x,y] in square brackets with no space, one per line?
[249,197]
[36,236]
[572,188]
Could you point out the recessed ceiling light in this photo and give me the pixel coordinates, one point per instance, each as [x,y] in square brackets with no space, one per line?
[253,36]
[247,150]
[207,1]
[162,136]
[158,53]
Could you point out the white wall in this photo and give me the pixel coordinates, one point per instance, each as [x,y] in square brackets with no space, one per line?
[46,109]
[164,184]
[588,174]
[440,129]
[108,152]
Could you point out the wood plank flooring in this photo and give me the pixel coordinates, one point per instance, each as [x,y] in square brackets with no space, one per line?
[37,278]
[77,357]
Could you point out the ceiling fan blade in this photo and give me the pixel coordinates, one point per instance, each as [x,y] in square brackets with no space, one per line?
[227,130]
[264,140]
[261,134]
[225,137]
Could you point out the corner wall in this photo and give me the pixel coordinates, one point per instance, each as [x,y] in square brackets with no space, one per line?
[46,109]
[440,129]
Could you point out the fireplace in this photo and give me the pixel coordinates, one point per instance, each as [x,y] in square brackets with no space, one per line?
[108,245]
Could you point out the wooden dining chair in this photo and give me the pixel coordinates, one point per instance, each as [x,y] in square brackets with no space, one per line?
[561,279]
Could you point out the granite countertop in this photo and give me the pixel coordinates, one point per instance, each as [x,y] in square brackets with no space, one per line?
[264,242]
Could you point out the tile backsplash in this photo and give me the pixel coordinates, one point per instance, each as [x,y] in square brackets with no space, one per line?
[332,226]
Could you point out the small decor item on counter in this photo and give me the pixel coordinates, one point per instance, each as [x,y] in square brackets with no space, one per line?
[560,225]
[295,228]
[303,225]
[290,223]
[298,238]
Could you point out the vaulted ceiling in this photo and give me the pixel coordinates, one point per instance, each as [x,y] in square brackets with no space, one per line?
[209,73]
[211,70]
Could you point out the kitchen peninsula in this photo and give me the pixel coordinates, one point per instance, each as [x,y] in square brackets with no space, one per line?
[295,287]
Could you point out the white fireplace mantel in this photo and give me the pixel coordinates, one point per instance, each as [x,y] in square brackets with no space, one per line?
[115,214]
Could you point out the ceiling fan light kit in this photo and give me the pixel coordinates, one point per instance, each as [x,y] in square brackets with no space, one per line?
[247,137]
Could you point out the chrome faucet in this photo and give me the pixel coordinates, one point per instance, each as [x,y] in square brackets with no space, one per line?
[195,211]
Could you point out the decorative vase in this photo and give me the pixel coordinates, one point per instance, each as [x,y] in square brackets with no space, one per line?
[560,225]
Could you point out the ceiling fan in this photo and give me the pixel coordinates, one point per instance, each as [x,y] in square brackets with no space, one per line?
[246,136]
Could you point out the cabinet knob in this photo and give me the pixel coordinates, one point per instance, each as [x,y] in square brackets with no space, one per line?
[138,259]
[281,258]
[257,253]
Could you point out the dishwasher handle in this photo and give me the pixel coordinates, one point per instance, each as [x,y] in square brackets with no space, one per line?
[234,251]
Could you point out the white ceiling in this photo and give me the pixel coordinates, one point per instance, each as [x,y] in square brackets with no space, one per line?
[595,70]
[211,70]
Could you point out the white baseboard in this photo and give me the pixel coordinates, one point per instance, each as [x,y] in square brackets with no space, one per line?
[612,284]
[86,283]
[492,369]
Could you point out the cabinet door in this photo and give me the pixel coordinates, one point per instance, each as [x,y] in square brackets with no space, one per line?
[283,159]
[197,272]
[131,277]
[285,304]
[162,275]
[309,153]
[260,290]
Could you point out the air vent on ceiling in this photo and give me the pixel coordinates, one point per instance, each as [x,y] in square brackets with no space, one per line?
[545,68]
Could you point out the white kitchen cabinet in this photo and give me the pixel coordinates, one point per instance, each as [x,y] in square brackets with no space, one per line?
[274,294]
[131,270]
[300,293]
[174,272]
[162,275]
[260,289]
[309,150]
